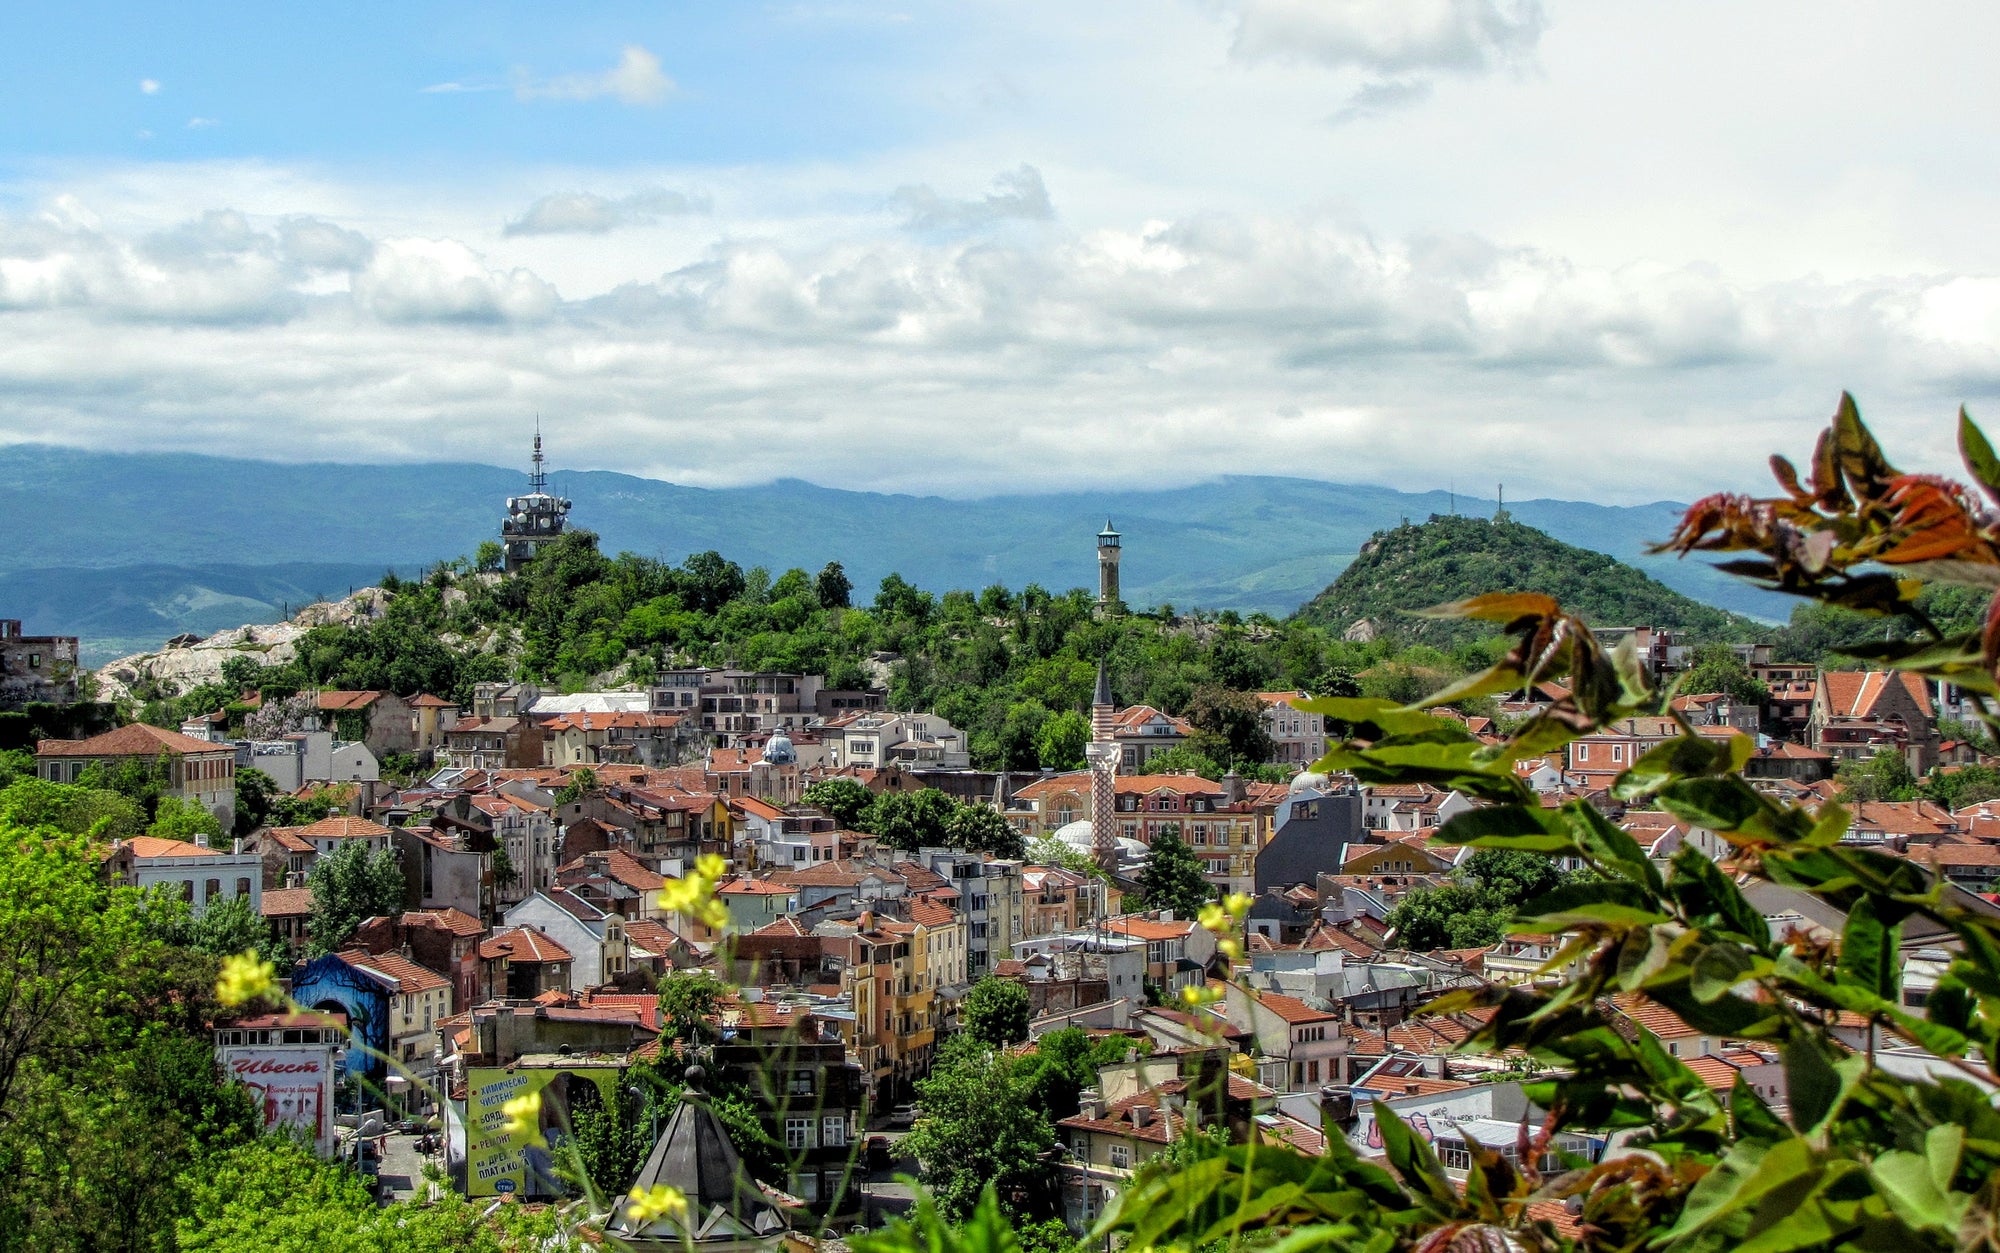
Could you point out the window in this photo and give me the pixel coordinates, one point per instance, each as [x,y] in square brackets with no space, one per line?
[1121,1156]
[1583,752]
[1618,752]
[210,889]
[833,1131]
[802,1083]
[798,1133]
[243,887]
[1454,1155]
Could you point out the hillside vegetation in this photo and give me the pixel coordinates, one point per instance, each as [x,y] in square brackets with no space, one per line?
[1448,558]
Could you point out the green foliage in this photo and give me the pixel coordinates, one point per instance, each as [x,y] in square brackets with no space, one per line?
[1064,1063]
[16,763]
[141,782]
[349,886]
[1717,668]
[1885,776]
[1059,743]
[978,1130]
[1172,878]
[223,929]
[844,799]
[1229,725]
[909,820]
[687,1000]
[1413,567]
[489,556]
[982,829]
[175,818]
[581,782]
[1964,785]
[256,793]
[79,810]
[995,1012]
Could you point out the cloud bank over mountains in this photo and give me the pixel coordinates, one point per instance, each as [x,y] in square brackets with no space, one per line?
[1135,258]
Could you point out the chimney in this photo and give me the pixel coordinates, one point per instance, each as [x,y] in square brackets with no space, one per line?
[201,839]
[1142,1115]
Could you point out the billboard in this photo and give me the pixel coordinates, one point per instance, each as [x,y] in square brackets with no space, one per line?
[293,1084]
[498,1164]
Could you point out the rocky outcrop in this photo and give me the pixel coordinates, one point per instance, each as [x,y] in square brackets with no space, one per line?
[179,667]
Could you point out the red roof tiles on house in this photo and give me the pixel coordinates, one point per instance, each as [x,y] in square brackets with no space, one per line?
[135,740]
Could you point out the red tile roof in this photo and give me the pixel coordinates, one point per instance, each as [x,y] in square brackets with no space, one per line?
[1291,1008]
[287,902]
[135,740]
[407,975]
[525,945]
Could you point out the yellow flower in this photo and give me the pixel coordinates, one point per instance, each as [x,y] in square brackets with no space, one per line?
[1196,997]
[710,866]
[1214,917]
[1231,948]
[524,1115]
[1237,904]
[244,979]
[660,1201]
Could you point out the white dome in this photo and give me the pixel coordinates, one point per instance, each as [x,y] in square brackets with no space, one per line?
[1307,781]
[778,750]
[1078,836]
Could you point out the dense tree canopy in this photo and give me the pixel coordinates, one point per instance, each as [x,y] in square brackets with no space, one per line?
[1172,878]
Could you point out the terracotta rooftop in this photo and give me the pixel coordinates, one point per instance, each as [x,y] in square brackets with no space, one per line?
[135,740]
[1291,1008]
[525,945]
[287,902]
[407,975]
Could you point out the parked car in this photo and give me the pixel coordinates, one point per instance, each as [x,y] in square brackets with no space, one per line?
[903,1116]
[879,1156]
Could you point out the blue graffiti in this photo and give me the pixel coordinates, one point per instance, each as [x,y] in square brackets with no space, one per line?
[328,983]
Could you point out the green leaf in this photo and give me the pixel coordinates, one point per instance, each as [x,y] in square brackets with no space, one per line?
[1719,968]
[1712,899]
[1907,1182]
[1721,805]
[1750,1171]
[1412,1158]
[1978,454]
[1677,758]
[1868,950]
[1503,826]
[1610,844]
[1812,1081]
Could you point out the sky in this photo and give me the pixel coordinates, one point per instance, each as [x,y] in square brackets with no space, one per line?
[1610,251]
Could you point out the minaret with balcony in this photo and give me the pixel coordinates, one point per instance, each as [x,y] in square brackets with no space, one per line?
[1107,568]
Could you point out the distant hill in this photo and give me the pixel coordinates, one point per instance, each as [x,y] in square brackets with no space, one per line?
[206,532]
[1414,567]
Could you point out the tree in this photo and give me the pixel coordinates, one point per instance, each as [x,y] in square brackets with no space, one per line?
[688,999]
[897,598]
[581,782]
[981,828]
[995,1012]
[255,794]
[504,874]
[1059,743]
[832,588]
[242,673]
[177,818]
[1886,776]
[349,886]
[78,810]
[1962,786]
[910,820]
[1172,878]
[1454,915]
[1229,725]
[1184,757]
[1717,668]
[977,1129]
[845,800]
[489,557]
[1514,877]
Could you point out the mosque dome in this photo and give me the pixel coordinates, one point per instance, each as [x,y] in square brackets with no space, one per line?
[778,750]
[1307,781]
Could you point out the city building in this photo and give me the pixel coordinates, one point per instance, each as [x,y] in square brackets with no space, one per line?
[1108,554]
[36,669]
[196,770]
[203,875]
[1300,736]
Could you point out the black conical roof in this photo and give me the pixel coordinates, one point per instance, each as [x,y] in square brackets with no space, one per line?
[694,1155]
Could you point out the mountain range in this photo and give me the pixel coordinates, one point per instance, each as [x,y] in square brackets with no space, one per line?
[126,549]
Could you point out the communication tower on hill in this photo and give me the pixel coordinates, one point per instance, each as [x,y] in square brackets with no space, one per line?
[534,519]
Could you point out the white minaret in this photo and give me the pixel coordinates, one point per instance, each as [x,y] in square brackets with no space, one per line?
[1102,755]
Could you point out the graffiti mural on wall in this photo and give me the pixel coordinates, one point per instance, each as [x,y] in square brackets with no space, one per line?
[328,983]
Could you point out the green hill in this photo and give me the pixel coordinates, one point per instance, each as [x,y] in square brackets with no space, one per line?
[1414,567]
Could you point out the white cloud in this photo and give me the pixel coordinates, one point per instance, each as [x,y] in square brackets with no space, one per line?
[1382,96]
[586,213]
[201,123]
[1017,194]
[1291,343]
[414,280]
[149,86]
[636,79]
[1390,36]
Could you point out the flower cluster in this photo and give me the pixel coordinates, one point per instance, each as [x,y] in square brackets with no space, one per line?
[693,895]
[659,1201]
[246,978]
[524,1117]
[1224,919]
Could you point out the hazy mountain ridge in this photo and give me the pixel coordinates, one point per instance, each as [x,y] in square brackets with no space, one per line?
[138,546]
